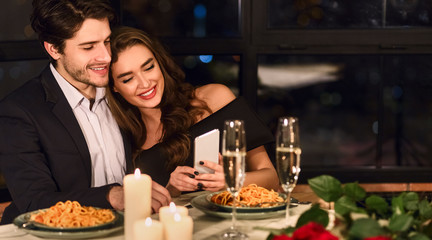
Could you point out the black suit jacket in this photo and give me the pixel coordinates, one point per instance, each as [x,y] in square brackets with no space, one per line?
[43,153]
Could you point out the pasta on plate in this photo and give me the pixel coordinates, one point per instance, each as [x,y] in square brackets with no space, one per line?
[71,214]
[249,196]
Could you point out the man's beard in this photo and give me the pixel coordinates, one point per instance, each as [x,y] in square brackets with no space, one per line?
[81,75]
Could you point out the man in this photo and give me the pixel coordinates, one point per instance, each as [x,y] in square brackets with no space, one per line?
[58,138]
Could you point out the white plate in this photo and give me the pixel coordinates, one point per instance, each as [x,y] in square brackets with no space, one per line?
[201,203]
[98,231]
[89,228]
[248,209]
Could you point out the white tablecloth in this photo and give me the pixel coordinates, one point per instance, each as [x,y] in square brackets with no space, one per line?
[205,227]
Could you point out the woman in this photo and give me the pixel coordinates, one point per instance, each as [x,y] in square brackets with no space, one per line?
[151,101]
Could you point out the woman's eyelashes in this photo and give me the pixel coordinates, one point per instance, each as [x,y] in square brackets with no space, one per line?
[150,67]
[126,80]
[145,70]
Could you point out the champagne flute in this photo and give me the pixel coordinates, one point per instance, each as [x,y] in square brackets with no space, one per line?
[233,155]
[288,153]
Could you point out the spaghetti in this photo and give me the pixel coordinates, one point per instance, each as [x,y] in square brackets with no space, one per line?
[250,196]
[71,214]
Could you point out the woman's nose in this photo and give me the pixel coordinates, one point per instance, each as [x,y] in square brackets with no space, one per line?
[144,82]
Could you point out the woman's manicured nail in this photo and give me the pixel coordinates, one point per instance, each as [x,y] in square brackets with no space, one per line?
[200,185]
[201,163]
[191,176]
[196,172]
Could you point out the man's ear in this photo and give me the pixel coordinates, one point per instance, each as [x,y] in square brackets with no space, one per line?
[52,51]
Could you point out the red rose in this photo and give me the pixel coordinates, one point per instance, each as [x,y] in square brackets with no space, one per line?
[282,237]
[313,231]
[327,236]
[309,231]
[378,238]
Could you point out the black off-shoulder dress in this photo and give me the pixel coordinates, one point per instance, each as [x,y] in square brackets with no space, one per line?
[153,160]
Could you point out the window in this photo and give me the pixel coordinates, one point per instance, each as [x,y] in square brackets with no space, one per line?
[337,14]
[206,69]
[192,18]
[353,109]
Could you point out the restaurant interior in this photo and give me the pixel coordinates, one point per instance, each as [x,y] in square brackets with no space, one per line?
[357,74]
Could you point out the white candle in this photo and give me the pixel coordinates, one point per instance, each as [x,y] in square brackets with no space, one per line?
[167,212]
[178,227]
[137,197]
[148,229]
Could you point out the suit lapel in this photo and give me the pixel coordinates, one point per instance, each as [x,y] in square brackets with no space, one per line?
[62,110]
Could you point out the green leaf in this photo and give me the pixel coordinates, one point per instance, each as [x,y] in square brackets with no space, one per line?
[411,200]
[400,223]
[425,209]
[398,205]
[314,214]
[345,205]
[326,187]
[365,227]
[354,191]
[377,203]
[270,236]
[419,236]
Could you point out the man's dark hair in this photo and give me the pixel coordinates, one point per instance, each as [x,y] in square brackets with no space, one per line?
[58,20]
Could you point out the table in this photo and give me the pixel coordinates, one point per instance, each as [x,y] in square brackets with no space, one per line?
[205,227]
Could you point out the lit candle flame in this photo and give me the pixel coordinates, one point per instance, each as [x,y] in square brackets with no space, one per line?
[172,207]
[148,222]
[137,173]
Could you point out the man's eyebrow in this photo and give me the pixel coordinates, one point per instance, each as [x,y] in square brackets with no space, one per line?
[87,43]
[94,42]
[130,72]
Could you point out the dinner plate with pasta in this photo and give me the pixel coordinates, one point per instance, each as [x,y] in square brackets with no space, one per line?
[70,219]
[254,203]
[251,198]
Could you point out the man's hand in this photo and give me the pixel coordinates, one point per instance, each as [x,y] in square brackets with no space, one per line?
[160,197]
[116,198]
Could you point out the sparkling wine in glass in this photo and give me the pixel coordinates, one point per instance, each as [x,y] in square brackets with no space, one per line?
[288,153]
[234,155]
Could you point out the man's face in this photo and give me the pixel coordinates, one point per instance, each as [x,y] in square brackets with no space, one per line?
[86,58]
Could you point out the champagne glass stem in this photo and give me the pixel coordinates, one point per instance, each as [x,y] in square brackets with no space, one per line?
[234,211]
[287,213]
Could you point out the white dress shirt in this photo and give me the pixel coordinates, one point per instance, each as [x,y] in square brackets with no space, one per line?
[101,133]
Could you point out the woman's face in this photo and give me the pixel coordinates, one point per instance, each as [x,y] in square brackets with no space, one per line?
[138,78]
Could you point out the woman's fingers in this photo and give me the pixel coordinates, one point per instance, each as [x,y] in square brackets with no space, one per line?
[183,178]
[211,165]
[212,182]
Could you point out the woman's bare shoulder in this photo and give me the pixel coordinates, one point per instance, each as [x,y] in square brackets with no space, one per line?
[215,95]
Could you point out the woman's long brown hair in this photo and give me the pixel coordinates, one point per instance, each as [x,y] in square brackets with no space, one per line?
[178,114]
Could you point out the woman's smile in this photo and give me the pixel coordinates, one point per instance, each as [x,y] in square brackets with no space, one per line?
[149,94]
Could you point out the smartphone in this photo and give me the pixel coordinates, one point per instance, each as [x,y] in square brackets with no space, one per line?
[206,148]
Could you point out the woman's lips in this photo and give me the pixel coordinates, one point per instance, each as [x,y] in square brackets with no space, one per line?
[149,94]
